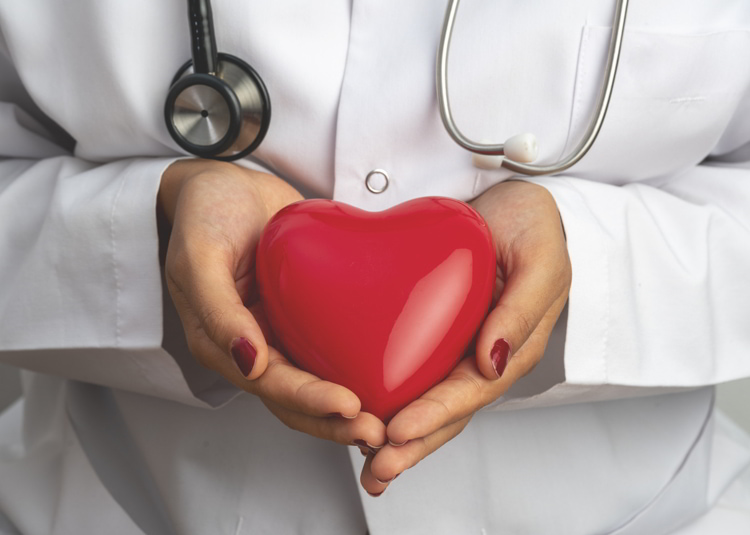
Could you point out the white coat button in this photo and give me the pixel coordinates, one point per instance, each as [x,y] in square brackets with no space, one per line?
[377,181]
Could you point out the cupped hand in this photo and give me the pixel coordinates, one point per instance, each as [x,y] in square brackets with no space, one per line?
[532,286]
[217,211]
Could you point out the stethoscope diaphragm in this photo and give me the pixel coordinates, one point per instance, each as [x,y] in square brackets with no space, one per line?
[224,115]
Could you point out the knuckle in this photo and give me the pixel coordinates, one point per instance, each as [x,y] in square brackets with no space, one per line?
[267,384]
[562,275]
[197,350]
[211,321]
[272,368]
[174,286]
[568,272]
[176,264]
[478,394]
[526,323]
[439,404]
[470,382]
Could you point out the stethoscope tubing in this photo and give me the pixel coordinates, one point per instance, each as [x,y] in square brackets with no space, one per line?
[597,118]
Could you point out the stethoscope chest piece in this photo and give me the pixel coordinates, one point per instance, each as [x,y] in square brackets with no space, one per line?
[222,115]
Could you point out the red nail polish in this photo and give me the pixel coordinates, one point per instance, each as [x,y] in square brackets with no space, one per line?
[243,354]
[499,356]
[362,444]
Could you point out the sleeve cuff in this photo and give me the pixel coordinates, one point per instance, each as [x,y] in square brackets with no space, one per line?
[658,302]
[82,284]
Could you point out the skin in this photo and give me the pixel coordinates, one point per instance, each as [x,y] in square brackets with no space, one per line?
[217,211]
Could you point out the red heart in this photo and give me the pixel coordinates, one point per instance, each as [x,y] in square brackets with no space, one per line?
[384,303]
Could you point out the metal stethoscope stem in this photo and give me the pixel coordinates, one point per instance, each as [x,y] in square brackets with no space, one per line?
[595,124]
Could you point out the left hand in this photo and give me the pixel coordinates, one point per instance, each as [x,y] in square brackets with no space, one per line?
[217,211]
[531,288]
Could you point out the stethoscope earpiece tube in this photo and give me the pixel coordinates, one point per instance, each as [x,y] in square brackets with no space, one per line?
[202,36]
[518,148]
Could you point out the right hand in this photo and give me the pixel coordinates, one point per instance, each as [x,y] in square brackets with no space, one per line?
[217,211]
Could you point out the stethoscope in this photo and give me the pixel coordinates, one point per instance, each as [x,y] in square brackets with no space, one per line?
[218,106]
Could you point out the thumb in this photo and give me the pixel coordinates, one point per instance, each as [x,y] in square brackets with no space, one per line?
[231,341]
[528,295]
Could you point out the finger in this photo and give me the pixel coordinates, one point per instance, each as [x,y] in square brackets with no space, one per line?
[459,395]
[391,461]
[530,291]
[297,390]
[205,283]
[365,428]
[369,482]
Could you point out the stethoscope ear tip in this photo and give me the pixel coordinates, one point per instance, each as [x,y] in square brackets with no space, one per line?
[522,148]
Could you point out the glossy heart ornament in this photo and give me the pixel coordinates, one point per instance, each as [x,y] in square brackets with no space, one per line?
[384,303]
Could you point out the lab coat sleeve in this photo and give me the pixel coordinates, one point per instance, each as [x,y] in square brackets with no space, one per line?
[80,282]
[660,296]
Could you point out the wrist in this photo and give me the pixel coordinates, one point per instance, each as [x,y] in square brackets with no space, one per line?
[274,192]
[174,178]
[546,193]
[270,192]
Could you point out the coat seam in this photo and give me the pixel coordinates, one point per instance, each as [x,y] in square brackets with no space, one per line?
[115,270]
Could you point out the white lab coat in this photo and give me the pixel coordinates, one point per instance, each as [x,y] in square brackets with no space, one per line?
[121,432]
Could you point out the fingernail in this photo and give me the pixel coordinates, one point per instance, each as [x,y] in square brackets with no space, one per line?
[363,452]
[387,480]
[499,356]
[341,415]
[397,445]
[362,444]
[243,354]
[375,495]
